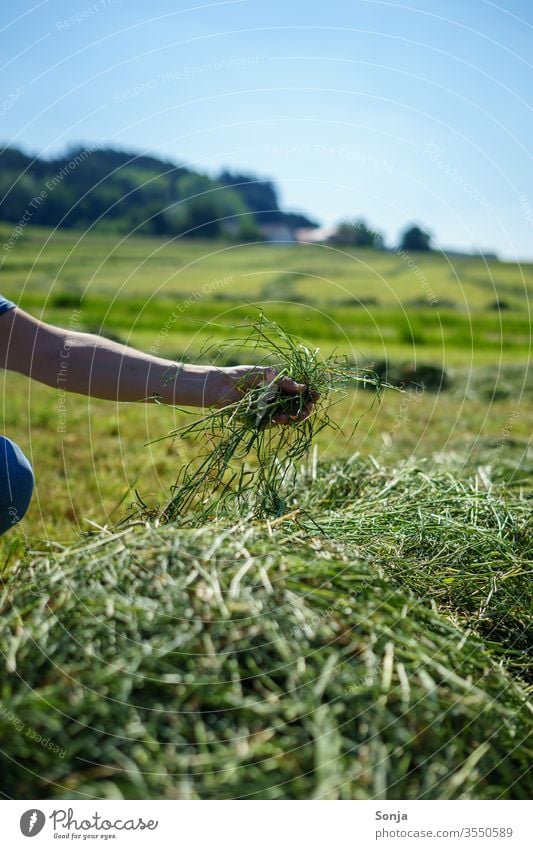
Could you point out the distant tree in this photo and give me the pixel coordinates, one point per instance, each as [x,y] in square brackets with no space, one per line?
[358,234]
[202,218]
[17,193]
[415,239]
[260,196]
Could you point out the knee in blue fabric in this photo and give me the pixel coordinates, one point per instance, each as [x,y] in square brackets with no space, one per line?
[16,484]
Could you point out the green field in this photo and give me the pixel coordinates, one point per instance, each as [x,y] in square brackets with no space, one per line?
[143,292]
[375,644]
[363,303]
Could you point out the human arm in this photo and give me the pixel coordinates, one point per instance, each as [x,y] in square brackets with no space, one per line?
[101,368]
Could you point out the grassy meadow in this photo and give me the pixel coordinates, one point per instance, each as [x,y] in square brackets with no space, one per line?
[373,643]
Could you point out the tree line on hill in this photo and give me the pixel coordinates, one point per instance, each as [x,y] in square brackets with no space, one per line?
[121,192]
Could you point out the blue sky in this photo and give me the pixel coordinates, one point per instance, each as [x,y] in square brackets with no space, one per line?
[395,112]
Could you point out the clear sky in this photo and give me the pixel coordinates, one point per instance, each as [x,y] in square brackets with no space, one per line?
[397,112]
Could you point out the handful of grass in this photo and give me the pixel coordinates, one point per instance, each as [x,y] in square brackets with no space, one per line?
[245,463]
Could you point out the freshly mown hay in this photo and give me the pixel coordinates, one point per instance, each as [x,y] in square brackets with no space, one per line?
[463,541]
[507,380]
[222,477]
[422,376]
[276,660]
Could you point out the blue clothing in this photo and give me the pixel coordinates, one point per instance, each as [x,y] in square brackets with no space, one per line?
[16,473]
[5,305]
[16,484]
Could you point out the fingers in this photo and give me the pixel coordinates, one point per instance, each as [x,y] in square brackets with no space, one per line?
[307,410]
[263,376]
[267,374]
[257,376]
[287,384]
[286,418]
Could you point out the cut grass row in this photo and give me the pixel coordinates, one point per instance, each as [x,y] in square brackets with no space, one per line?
[350,331]
[463,541]
[46,262]
[276,662]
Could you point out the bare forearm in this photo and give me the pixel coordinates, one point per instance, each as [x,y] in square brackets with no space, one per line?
[99,367]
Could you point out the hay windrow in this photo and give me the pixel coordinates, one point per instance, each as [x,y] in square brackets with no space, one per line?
[257,661]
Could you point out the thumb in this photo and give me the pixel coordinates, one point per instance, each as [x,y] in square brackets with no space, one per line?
[258,376]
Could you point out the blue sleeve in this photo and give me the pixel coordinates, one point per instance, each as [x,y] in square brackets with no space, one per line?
[5,305]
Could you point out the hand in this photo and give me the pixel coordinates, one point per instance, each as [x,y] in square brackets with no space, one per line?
[229,384]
